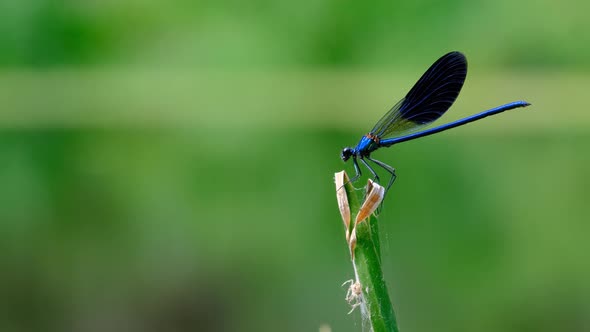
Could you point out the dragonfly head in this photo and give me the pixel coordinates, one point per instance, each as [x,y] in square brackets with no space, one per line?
[346,153]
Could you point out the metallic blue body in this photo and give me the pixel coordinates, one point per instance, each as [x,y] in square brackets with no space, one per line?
[366,146]
[475,117]
[427,101]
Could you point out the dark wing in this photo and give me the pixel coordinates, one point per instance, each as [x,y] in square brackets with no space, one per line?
[428,100]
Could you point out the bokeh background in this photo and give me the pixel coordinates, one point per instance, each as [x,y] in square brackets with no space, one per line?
[168,165]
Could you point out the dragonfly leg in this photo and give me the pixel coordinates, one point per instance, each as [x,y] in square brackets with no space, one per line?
[388,168]
[376,179]
[358,174]
[357,169]
[375,176]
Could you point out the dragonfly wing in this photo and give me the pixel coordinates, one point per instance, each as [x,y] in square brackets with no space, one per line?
[428,100]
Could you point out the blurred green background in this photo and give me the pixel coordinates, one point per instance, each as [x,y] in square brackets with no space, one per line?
[167,165]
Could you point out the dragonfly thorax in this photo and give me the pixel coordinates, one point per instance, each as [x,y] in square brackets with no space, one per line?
[366,145]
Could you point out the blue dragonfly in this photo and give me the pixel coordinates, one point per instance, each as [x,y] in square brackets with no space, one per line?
[427,101]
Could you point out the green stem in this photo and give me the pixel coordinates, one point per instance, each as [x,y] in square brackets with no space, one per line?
[365,252]
[367,263]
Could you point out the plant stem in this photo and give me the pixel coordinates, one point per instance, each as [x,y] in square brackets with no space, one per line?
[363,240]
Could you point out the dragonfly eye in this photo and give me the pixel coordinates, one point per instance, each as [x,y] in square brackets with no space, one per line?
[346,153]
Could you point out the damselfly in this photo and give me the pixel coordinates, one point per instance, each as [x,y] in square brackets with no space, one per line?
[427,101]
